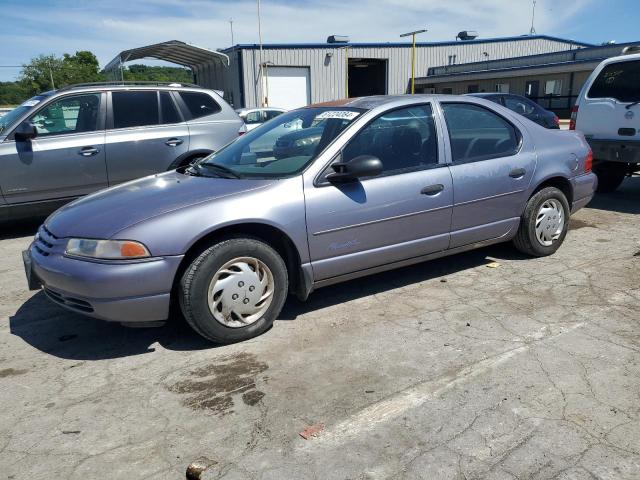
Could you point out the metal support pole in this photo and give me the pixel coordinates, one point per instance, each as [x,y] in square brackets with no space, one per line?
[346,72]
[262,86]
[413,65]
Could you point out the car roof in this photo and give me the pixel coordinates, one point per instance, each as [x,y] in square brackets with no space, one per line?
[258,109]
[486,94]
[108,86]
[369,103]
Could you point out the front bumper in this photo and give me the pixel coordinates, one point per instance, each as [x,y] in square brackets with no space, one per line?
[584,188]
[114,291]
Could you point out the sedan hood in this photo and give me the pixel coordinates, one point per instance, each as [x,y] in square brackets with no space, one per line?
[105,213]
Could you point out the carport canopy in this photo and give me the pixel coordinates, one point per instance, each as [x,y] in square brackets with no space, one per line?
[173,51]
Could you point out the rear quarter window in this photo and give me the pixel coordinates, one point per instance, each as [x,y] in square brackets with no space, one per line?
[620,80]
[199,104]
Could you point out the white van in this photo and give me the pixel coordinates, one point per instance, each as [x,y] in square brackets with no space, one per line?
[607,111]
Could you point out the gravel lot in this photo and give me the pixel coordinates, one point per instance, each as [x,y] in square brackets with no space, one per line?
[449,369]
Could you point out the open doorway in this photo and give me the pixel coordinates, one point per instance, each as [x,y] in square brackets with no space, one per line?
[367,76]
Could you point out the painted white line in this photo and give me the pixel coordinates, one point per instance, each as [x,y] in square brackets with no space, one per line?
[414,396]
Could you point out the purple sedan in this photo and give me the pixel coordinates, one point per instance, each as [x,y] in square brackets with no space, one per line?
[387,181]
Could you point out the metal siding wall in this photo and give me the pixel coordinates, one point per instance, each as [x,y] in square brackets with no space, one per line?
[327,76]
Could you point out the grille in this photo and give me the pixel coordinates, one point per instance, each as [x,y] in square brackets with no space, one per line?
[44,241]
[70,302]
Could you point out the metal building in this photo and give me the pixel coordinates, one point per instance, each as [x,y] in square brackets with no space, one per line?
[293,75]
[553,80]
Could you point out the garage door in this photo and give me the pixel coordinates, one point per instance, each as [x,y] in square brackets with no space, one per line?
[288,87]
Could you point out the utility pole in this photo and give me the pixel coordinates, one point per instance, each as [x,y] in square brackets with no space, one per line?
[53,85]
[413,57]
[533,16]
[231,24]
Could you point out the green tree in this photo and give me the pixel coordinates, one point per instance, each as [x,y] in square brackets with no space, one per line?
[138,72]
[12,93]
[46,72]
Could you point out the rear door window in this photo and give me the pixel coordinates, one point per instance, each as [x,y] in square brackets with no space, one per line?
[519,105]
[199,104]
[135,109]
[620,80]
[168,109]
[476,133]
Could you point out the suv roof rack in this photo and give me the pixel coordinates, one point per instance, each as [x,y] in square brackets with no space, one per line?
[134,83]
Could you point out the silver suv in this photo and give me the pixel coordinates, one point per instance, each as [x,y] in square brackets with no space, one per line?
[63,144]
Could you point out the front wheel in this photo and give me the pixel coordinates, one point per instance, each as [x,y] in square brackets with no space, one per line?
[234,290]
[543,225]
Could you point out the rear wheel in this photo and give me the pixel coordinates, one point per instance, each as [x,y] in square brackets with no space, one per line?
[234,290]
[610,175]
[544,223]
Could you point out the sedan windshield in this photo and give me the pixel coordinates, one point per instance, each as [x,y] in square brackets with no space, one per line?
[7,120]
[281,147]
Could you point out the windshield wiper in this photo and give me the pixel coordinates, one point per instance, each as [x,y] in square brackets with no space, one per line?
[632,104]
[228,172]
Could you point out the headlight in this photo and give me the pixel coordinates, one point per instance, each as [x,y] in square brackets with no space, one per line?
[106,249]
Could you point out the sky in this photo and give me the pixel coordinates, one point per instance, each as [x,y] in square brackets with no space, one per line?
[32,27]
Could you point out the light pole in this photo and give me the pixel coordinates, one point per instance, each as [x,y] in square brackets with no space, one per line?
[413,57]
[231,25]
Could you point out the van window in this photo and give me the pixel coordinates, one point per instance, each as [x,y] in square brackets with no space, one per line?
[620,80]
[134,109]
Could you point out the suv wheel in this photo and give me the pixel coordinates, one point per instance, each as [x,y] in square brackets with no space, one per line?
[610,175]
[543,225]
[234,290]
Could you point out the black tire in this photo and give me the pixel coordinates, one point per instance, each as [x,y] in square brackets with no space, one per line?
[610,175]
[194,287]
[525,239]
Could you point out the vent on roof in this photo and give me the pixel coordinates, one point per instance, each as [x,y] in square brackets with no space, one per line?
[467,35]
[338,39]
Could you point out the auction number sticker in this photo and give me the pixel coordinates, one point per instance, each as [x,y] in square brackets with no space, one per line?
[341,114]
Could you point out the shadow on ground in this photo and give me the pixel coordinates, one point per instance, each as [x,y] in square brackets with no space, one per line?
[64,334]
[624,200]
[20,228]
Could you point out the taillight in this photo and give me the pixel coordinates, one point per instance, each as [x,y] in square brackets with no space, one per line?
[588,162]
[242,130]
[574,116]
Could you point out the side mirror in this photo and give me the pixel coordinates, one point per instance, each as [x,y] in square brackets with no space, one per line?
[361,166]
[25,131]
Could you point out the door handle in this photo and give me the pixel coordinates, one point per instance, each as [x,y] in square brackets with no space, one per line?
[173,142]
[88,151]
[432,190]
[517,173]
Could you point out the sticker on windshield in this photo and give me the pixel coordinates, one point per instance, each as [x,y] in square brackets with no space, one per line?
[342,114]
[30,103]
